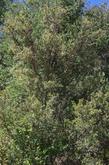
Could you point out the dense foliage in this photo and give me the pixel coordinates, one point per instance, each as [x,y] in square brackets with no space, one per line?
[4,4]
[54,84]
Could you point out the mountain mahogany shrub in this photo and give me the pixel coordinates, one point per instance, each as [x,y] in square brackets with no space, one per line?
[56,51]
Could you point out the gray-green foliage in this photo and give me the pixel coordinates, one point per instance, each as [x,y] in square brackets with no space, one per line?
[54,84]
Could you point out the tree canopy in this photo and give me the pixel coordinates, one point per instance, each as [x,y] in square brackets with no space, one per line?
[54,84]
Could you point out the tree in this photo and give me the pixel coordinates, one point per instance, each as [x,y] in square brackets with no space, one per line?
[55,59]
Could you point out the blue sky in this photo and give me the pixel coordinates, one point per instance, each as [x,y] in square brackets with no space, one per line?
[97,2]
